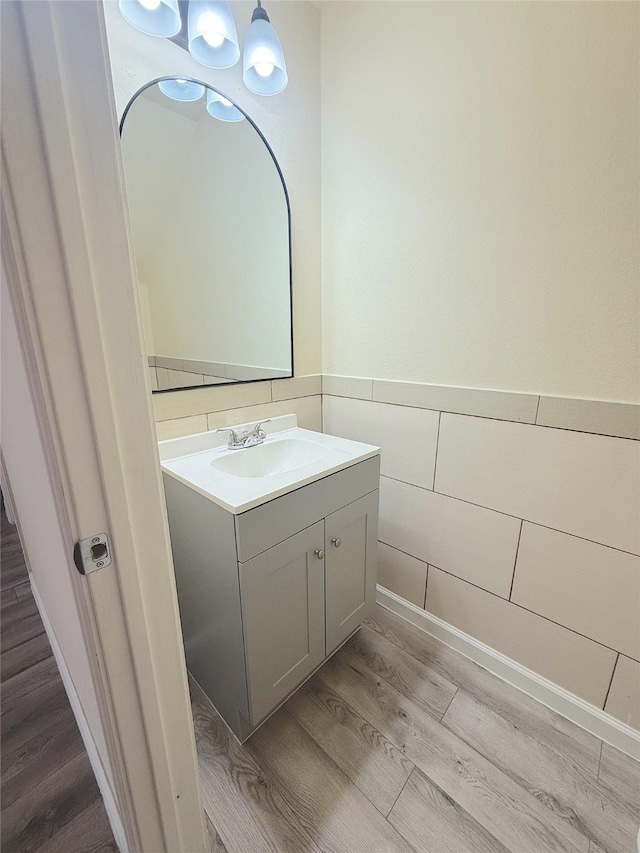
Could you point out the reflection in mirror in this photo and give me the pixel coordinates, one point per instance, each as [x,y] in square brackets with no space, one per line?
[211,232]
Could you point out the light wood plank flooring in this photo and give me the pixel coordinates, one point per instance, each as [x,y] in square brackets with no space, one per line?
[50,799]
[398,744]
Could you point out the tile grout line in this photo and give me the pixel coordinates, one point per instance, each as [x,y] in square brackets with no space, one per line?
[426,584]
[515,562]
[232,408]
[435,461]
[604,704]
[507,514]
[395,548]
[497,419]
[513,603]
[583,431]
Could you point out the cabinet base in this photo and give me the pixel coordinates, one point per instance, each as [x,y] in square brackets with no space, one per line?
[241,728]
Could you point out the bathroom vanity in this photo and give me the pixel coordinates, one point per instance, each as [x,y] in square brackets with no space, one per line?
[274,548]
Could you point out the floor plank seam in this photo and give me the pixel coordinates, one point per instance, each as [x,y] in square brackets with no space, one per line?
[493,772]
[52,775]
[337,766]
[400,792]
[599,761]
[7,682]
[450,703]
[495,681]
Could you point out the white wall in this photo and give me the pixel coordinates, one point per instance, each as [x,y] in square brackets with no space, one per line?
[289,121]
[480,228]
[480,194]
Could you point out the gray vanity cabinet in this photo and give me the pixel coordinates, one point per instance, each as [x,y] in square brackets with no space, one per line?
[351,537]
[303,597]
[268,594]
[282,593]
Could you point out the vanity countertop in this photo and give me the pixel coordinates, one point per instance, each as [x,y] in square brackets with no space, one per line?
[241,479]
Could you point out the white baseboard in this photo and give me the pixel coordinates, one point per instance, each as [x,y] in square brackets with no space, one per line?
[581,713]
[94,758]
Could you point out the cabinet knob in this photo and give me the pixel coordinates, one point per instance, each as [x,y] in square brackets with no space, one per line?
[319,553]
[336,542]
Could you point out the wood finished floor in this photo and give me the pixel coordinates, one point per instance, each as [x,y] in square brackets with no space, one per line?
[396,744]
[400,744]
[50,799]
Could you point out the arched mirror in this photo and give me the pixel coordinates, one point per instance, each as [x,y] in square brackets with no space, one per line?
[211,230]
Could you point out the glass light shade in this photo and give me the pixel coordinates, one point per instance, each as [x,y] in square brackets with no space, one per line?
[153,17]
[264,70]
[213,40]
[220,107]
[181,90]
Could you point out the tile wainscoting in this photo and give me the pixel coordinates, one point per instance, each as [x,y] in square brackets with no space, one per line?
[200,409]
[513,517]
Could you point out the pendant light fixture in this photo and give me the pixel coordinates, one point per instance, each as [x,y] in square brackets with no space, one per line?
[264,69]
[222,108]
[153,17]
[213,40]
[181,89]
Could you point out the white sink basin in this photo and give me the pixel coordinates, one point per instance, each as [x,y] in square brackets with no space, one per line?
[239,480]
[273,457]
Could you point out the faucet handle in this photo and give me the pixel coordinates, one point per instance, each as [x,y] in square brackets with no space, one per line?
[233,438]
[257,428]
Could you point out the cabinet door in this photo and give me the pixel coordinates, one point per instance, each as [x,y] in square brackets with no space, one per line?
[282,593]
[351,536]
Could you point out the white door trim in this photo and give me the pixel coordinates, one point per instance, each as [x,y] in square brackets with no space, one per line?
[70,274]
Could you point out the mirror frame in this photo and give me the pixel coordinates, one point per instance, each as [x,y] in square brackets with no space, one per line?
[130,103]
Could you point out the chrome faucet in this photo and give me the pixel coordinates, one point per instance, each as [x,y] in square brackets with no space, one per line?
[246,438]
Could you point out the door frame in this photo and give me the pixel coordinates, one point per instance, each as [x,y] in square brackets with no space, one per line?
[69,268]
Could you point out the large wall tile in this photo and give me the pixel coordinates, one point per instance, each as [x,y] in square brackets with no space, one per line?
[579,483]
[298,386]
[347,386]
[182,379]
[471,542]
[589,588]
[308,410]
[247,373]
[579,665]
[621,419]
[162,378]
[168,362]
[200,401]
[177,427]
[207,368]
[408,437]
[402,574]
[468,401]
[623,701]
